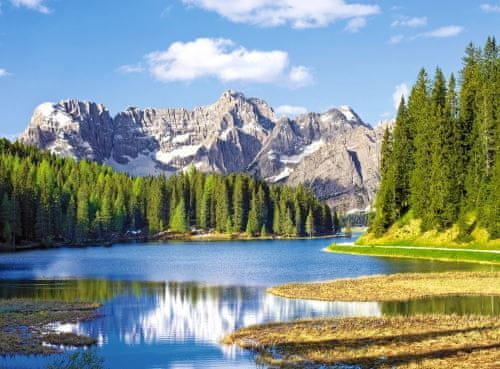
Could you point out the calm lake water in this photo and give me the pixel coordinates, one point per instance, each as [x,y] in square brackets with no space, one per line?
[167,305]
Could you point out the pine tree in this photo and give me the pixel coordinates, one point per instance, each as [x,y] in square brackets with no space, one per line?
[82,215]
[6,219]
[240,204]
[253,224]
[263,205]
[336,222]
[70,222]
[310,224]
[155,209]
[440,126]
[326,215]
[402,159]
[419,112]
[137,205]
[119,213]
[468,97]
[289,229]
[299,220]
[222,206]
[385,201]
[277,227]
[179,222]
[206,203]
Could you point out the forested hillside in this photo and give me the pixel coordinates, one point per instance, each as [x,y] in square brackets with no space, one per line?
[47,199]
[440,163]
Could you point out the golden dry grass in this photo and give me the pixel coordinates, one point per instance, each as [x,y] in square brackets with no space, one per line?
[395,287]
[405,342]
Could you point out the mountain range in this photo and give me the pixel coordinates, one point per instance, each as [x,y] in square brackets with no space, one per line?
[334,153]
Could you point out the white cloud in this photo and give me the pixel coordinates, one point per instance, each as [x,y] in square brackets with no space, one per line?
[290,110]
[297,13]
[412,22]
[300,76]
[401,90]
[38,5]
[442,32]
[489,8]
[355,24]
[4,73]
[226,61]
[396,39]
[130,69]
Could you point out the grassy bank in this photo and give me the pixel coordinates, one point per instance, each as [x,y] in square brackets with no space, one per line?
[407,232]
[419,253]
[394,287]
[23,325]
[403,342]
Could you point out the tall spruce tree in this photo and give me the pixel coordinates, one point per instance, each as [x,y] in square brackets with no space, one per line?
[402,159]
[419,112]
[310,226]
[179,221]
[385,202]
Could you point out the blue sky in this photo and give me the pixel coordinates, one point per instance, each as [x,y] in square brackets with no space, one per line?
[298,55]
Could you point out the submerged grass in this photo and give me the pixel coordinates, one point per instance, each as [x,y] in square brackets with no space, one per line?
[419,253]
[23,325]
[395,287]
[388,342]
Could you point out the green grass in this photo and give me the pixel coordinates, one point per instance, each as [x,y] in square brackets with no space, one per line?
[407,232]
[420,253]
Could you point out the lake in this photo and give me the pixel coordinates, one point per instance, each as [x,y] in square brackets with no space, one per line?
[167,305]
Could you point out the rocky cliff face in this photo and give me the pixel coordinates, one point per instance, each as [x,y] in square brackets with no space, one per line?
[334,153]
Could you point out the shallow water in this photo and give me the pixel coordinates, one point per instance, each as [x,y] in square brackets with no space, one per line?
[167,305]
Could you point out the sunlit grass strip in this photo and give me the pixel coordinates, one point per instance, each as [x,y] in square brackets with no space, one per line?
[404,342]
[419,253]
[395,287]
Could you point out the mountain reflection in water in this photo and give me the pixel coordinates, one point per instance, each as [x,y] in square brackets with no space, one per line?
[161,324]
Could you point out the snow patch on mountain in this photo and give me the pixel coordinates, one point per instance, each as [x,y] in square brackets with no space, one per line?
[180,152]
[306,151]
[285,173]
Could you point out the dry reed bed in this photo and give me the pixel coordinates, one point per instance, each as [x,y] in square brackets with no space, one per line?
[395,287]
[430,341]
[23,325]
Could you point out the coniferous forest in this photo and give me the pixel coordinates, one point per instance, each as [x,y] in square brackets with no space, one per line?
[49,200]
[440,161]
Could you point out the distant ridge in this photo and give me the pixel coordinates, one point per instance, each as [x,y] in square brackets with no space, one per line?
[334,153]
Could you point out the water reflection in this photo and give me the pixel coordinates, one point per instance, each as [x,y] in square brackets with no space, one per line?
[461,305]
[169,324]
[179,312]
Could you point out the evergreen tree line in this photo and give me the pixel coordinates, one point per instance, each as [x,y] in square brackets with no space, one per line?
[440,162]
[358,219]
[48,199]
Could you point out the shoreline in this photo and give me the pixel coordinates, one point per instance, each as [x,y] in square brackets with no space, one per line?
[478,256]
[160,238]
[26,325]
